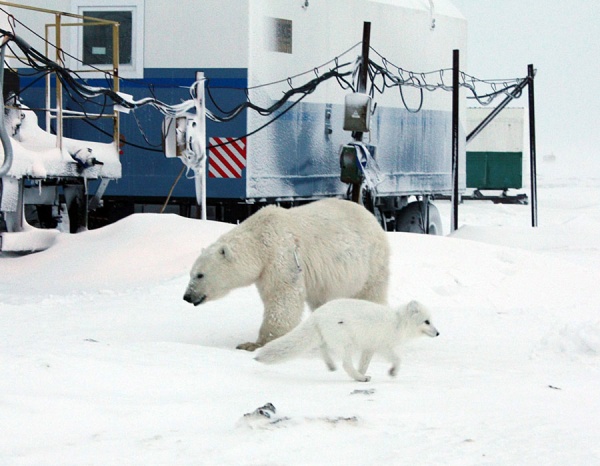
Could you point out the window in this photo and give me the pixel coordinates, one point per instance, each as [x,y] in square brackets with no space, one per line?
[98,40]
[95,42]
[279,36]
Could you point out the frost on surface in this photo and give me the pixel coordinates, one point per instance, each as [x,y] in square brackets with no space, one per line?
[36,153]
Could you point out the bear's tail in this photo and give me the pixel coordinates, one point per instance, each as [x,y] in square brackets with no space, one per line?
[301,339]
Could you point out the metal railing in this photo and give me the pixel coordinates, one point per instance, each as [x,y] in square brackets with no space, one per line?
[53,39]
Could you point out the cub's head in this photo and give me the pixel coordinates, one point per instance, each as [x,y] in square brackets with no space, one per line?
[220,268]
[420,319]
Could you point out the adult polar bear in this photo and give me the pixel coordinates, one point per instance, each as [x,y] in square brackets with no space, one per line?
[314,253]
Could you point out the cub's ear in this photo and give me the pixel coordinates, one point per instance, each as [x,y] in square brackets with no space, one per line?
[413,307]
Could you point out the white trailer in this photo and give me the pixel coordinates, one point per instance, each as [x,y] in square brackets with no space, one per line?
[260,49]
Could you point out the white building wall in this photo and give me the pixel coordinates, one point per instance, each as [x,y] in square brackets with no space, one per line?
[504,134]
[400,30]
[197,34]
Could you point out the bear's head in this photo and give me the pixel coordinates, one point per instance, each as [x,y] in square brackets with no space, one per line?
[222,267]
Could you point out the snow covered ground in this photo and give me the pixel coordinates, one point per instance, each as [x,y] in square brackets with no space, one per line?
[103,363]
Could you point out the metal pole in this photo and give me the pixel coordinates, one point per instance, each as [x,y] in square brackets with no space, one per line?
[455,122]
[59,87]
[362,87]
[4,137]
[116,84]
[48,84]
[366,44]
[200,172]
[532,149]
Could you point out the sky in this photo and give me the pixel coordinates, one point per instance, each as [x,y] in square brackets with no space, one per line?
[560,40]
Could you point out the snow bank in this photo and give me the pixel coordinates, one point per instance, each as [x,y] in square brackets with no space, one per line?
[103,363]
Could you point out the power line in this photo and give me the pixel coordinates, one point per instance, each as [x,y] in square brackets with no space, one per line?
[383,76]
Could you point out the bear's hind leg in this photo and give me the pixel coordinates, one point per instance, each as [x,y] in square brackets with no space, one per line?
[375,289]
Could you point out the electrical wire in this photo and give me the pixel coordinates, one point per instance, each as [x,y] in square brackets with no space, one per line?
[305,89]
[382,76]
[434,80]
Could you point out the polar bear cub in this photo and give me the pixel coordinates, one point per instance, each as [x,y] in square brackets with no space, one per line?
[350,326]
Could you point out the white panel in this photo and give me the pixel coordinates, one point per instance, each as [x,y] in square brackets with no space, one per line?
[197,34]
[504,134]
[326,28]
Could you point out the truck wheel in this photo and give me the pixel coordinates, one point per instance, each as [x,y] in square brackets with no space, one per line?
[411,218]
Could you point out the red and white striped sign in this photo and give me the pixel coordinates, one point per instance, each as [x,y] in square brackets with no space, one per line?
[226,157]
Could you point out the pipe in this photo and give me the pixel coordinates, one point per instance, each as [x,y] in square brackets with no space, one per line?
[532,148]
[362,88]
[455,135]
[4,137]
[513,95]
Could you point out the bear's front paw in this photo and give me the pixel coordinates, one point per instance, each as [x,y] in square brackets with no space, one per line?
[250,346]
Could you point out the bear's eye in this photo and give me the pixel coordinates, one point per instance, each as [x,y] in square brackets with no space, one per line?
[200,275]
[427,322]
[222,251]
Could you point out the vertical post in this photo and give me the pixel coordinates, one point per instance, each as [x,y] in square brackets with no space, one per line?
[532,149]
[366,44]
[200,171]
[116,59]
[455,133]
[48,112]
[362,87]
[4,137]
[59,89]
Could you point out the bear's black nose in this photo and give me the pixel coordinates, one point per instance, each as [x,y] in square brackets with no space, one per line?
[187,297]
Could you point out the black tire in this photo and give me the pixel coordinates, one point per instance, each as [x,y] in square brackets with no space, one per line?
[411,219]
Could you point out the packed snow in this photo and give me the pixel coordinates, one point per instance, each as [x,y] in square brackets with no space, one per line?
[103,363]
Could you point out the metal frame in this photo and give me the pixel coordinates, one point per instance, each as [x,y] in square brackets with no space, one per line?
[516,93]
[57,112]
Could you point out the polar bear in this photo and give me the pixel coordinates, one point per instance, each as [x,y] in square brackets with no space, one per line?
[327,249]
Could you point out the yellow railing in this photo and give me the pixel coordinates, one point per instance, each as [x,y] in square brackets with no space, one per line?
[55,29]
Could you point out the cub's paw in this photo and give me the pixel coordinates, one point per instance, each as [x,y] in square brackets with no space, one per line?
[250,346]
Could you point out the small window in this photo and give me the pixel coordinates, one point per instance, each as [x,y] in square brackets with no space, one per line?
[280,35]
[98,40]
[95,44]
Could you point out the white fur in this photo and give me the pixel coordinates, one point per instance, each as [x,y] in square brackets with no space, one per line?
[350,326]
[314,253]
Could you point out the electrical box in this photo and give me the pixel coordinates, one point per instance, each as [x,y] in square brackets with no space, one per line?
[350,170]
[357,112]
[174,131]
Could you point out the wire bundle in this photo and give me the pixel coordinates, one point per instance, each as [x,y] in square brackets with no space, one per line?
[382,76]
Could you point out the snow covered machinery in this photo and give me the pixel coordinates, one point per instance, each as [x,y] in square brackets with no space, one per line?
[44,174]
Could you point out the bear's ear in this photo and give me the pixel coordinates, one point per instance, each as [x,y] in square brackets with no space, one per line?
[225,251]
